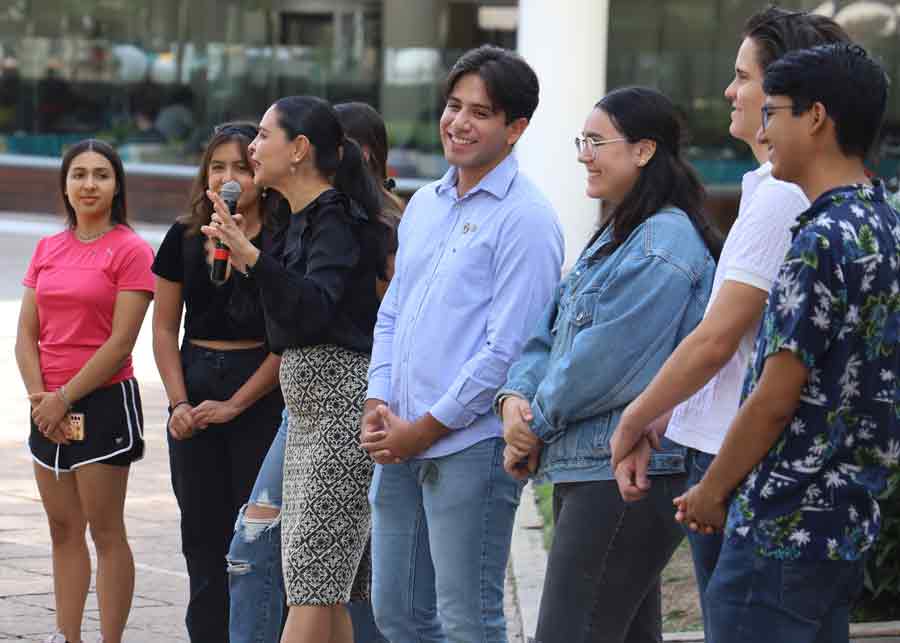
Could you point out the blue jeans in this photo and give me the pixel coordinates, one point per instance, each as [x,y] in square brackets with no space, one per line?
[704,549]
[441,531]
[755,599]
[255,580]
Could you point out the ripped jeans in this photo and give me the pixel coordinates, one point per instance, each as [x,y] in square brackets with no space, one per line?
[255,580]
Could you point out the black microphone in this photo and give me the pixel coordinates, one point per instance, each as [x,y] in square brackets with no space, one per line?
[230,193]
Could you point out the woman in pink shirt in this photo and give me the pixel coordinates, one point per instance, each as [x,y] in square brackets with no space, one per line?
[86,292]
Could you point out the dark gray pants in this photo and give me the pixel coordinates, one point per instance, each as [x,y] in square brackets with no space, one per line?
[603,574]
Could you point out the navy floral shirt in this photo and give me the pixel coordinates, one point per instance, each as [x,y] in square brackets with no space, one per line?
[836,305]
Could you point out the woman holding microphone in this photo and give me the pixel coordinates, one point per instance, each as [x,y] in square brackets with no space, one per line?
[320,303]
[254,560]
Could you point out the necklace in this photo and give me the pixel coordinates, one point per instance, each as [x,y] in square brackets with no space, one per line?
[91,237]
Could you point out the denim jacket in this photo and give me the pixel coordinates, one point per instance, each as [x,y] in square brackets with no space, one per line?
[612,324]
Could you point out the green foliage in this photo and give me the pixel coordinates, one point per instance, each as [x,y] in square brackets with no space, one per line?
[881,598]
[544,495]
[417,134]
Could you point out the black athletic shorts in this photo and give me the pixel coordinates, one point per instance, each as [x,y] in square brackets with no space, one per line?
[113,428]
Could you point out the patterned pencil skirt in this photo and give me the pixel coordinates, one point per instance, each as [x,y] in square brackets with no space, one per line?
[325,512]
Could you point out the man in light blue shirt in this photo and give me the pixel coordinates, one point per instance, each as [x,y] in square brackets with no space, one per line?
[480,254]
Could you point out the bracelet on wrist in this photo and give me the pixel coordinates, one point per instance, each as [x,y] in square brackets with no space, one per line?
[176,405]
[61,393]
[250,269]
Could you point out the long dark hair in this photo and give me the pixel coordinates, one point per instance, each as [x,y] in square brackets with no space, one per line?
[119,208]
[364,125]
[667,179]
[338,159]
[201,207]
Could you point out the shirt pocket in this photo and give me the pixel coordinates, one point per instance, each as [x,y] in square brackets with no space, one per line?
[582,313]
[466,273]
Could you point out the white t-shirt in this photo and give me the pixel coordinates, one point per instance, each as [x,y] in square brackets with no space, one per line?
[752,254]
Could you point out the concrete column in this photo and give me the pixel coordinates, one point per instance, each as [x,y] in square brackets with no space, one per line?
[565,41]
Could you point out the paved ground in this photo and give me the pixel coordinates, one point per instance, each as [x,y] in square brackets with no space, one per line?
[26,598]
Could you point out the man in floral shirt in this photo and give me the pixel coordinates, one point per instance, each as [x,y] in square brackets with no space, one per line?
[818,432]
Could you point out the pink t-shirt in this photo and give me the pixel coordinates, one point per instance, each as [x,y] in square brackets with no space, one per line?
[75,286]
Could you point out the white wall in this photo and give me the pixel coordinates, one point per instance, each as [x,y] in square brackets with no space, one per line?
[565,41]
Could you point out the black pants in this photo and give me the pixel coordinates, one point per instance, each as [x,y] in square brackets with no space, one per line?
[212,475]
[603,571]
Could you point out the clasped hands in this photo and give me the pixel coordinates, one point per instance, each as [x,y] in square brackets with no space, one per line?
[522,454]
[700,508]
[186,420]
[391,439]
[48,410]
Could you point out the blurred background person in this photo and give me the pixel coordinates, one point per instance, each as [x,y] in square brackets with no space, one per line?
[175,121]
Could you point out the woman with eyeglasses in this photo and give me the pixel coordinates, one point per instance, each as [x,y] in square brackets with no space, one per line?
[639,287]
[222,383]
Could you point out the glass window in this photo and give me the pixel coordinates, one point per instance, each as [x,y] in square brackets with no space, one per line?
[155,77]
[686,48]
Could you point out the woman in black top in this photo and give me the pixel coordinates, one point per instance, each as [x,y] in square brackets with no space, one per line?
[366,128]
[320,304]
[222,384]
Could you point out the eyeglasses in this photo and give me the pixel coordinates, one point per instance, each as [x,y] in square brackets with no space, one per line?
[592,143]
[767,112]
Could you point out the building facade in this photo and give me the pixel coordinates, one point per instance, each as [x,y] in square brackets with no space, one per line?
[155,77]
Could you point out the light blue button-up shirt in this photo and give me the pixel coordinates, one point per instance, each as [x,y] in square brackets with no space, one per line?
[472,276]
